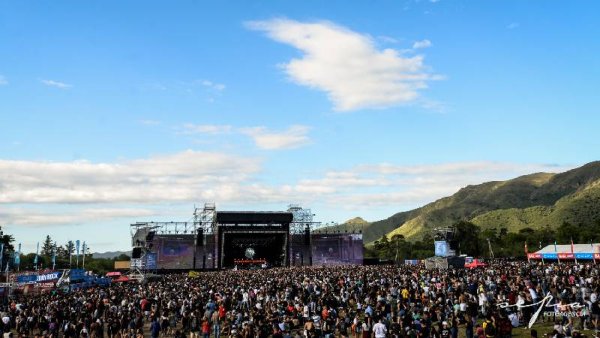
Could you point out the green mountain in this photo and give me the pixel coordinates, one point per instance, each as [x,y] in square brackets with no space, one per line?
[352,225]
[528,201]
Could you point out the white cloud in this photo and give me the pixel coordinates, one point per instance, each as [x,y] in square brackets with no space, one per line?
[3,81]
[34,193]
[186,176]
[513,25]
[190,128]
[56,84]
[347,65]
[212,85]
[422,44]
[294,137]
[31,217]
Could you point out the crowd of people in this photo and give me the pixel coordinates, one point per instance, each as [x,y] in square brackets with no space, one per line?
[337,301]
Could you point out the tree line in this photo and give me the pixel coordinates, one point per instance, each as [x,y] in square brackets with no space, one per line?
[65,256]
[472,240]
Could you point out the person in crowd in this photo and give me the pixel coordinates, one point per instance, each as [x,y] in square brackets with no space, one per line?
[332,301]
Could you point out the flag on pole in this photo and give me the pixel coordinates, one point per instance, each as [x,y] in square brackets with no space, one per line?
[77,251]
[70,248]
[526,251]
[84,247]
[2,255]
[555,250]
[540,245]
[35,259]
[573,250]
[53,258]
[18,256]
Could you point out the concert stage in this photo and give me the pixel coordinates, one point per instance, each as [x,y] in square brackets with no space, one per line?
[230,239]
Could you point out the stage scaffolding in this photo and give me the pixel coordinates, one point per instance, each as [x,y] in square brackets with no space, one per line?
[203,226]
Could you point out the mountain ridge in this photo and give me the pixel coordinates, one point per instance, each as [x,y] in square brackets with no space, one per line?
[537,196]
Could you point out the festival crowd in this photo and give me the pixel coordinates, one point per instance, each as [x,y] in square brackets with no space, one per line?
[338,301]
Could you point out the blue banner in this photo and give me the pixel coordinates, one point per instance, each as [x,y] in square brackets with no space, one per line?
[47,277]
[441,248]
[151,261]
[18,256]
[76,274]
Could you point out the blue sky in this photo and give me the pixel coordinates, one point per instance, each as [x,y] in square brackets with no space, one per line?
[116,112]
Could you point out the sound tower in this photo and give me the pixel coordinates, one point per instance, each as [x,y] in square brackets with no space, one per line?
[136,253]
[307,236]
[200,237]
[150,236]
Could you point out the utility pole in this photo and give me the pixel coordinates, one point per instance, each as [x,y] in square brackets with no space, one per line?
[490,247]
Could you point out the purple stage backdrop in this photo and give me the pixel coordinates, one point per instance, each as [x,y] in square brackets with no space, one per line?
[337,249]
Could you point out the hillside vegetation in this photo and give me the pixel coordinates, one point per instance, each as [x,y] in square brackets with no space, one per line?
[530,201]
[352,225]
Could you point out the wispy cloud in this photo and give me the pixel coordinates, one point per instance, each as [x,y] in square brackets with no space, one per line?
[422,44]
[294,137]
[212,85]
[212,129]
[347,65]
[32,217]
[513,25]
[387,39]
[56,84]
[150,122]
[3,81]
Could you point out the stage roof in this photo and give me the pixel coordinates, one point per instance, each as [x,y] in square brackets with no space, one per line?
[254,217]
[577,248]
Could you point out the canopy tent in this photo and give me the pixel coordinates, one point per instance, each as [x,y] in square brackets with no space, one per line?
[567,251]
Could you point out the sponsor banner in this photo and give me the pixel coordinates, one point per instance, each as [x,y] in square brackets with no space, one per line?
[47,277]
[564,255]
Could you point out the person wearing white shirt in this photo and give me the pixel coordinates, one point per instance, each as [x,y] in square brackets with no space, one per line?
[379,329]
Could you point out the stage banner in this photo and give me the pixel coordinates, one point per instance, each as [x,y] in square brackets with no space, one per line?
[441,248]
[151,261]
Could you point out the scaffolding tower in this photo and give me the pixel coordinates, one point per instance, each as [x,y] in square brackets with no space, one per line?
[302,219]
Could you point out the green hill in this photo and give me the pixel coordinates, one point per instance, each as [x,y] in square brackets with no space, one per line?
[527,201]
[352,225]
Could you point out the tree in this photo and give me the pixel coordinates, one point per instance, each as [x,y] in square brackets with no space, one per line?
[468,237]
[69,249]
[47,247]
[7,240]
